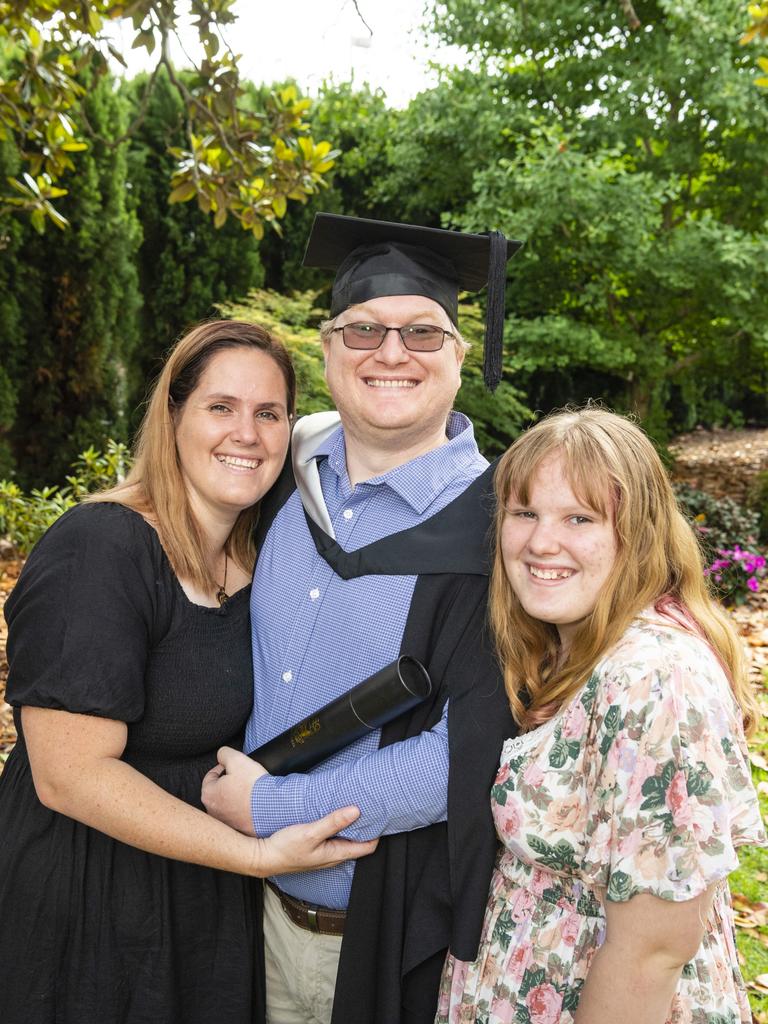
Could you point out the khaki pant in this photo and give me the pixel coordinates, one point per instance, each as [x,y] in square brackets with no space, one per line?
[301,968]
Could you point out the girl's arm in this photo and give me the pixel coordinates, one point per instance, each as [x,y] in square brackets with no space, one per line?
[77,771]
[634,974]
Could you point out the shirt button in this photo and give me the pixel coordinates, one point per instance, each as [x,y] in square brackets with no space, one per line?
[348,513]
[287,676]
[314,594]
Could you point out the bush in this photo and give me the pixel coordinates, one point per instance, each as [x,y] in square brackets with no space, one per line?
[758,501]
[24,518]
[729,536]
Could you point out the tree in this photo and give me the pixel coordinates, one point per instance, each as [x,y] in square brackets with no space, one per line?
[72,302]
[758,29]
[234,159]
[185,265]
[625,145]
[360,126]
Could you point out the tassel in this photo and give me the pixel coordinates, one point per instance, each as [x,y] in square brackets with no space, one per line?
[494,314]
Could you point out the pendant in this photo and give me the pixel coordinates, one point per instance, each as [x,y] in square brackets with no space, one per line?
[221,596]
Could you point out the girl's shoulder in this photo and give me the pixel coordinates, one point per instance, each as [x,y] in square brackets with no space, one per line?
[651,645]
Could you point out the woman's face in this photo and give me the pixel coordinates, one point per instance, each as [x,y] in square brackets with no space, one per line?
[232,433]
[557,551]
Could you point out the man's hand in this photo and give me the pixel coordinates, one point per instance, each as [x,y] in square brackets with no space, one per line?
[226,792]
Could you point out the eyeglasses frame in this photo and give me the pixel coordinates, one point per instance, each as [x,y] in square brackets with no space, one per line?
[405,327]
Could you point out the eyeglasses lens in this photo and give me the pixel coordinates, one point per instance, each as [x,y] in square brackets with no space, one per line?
[415,337]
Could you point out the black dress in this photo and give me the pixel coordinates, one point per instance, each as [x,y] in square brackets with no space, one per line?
[93,931]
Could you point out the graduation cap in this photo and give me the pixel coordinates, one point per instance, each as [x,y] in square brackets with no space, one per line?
[374,258]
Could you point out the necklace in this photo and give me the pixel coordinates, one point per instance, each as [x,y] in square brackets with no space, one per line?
[221,593]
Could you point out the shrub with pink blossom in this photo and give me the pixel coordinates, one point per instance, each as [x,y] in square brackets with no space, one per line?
[736,573]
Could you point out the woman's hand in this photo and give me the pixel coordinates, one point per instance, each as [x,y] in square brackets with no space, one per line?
[226,795]
[78,771]
[226,792]
[312,846]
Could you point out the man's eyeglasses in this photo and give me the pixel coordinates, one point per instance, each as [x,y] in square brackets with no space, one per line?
[415,337]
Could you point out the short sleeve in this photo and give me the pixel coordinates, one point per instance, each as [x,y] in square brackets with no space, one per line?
[671,795]
[80,616]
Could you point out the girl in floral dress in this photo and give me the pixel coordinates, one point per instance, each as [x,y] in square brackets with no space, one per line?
[621,804]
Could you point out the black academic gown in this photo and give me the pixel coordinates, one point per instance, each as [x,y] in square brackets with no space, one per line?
[424,891]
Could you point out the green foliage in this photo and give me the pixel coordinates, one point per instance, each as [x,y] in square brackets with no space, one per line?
[758,30]
[185,265]
[75,326]
[497,418]
[629,155]
[435,147]
[720,522]
[72,324]
[25,516]
[294,321]
[748,881]
[234,160]
[359,125]
[728,534]
[758,501]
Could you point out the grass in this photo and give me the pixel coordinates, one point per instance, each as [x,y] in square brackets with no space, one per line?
[751,883]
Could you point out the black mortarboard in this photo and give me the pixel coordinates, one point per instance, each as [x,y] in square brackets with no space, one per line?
[374,258]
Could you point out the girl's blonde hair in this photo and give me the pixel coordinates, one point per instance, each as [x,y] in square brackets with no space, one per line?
[614,469]
[154,487]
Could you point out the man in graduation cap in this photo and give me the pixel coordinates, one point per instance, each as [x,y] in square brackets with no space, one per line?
[375,544]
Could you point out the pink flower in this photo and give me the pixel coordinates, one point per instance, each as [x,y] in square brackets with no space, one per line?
[508,817]
[539,881]
[575,722]
[533,775]
[644,768]
[503,774]
[571,929]
[677,800]
[630,844]
[544,1003]
[518,963]
[503,1010]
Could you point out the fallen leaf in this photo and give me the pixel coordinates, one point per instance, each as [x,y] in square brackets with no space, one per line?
[748,913]
[759,984]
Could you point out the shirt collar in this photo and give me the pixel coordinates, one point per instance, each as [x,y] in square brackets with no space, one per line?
[421,480]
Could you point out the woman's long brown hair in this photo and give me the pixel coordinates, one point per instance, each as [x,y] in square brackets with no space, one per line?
[154,487]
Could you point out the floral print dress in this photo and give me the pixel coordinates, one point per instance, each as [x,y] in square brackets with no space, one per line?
[640,784]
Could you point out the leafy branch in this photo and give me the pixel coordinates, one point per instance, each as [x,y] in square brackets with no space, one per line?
[237,161]
[758,30]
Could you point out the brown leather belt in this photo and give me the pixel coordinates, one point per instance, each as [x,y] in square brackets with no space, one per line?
[309,916]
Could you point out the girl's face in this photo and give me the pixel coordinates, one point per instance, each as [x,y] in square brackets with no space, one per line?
[557,552]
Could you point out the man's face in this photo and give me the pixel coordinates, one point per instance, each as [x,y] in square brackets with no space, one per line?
[391,395]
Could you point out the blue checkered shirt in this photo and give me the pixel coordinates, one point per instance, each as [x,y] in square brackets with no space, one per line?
[315,636]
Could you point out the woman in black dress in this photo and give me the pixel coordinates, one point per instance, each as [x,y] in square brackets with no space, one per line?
[121,901]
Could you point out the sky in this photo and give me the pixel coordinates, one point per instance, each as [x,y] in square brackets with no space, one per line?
[311,40]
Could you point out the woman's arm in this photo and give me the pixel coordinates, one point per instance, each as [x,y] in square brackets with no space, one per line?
[77,771]
[634,974]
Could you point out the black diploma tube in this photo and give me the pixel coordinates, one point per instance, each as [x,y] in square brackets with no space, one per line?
[390,692]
